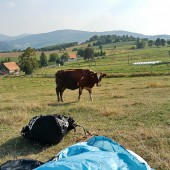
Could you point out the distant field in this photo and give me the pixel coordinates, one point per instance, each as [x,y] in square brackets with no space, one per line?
[14,55]
[121,61]
[132,111]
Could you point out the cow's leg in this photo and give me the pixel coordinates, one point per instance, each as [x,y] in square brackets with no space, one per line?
[57,92]
[80,92]
[61,93]
[90,93]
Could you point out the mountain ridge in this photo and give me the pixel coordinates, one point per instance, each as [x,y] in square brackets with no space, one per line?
[61,36]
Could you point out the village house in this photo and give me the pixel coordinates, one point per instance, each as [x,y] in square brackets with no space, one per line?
[72,57]
[9,68]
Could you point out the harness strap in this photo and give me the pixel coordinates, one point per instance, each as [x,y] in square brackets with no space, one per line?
[86,132]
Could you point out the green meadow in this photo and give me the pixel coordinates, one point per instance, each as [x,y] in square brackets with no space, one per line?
[120,61]
[132,108]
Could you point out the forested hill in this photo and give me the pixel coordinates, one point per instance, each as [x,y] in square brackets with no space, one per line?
[8,43]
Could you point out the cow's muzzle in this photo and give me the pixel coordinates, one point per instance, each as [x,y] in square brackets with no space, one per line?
[98,84]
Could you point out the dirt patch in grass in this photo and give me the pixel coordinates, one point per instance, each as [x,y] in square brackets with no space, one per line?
[107,111]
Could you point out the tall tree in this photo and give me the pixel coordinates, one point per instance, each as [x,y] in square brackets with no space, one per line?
[43,60]
[168,42]
[53,57]
[150,43]
[163,42]
[158,42]
[80,52]
[88,54]
[140,44]
[27,61]
[100,47]
[65,57]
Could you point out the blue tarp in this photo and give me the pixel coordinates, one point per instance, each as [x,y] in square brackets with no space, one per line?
[98,153]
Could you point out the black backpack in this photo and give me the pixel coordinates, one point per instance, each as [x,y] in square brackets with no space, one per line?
[48,129]
[20,164]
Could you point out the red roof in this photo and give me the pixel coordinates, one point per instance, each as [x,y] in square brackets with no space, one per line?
[72,55]
[11,66]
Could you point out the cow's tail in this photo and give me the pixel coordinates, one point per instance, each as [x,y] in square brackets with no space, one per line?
[56,78]
[58,75]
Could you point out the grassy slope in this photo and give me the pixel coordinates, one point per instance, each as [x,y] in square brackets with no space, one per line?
[121,60]
[132,111]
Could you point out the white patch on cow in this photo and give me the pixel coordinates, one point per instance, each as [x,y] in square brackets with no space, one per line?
[87,88]
[78,83]
[98,75]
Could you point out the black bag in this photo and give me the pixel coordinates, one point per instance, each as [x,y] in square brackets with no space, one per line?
[20,164]
[48,129]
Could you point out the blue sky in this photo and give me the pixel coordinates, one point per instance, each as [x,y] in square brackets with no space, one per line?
[148,17]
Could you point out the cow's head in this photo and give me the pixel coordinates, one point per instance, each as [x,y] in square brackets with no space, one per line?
[98,77]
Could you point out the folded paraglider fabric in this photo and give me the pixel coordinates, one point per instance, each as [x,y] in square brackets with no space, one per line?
[98,153]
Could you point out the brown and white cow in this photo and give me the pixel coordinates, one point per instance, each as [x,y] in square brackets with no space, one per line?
[76,79]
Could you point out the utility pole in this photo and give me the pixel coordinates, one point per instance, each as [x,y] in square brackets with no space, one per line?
[169,53]
[128,58]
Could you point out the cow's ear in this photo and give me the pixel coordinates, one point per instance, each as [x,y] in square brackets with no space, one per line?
[103,74]
[92,74]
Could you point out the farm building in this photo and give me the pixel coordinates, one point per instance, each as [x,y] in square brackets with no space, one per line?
[72,57]
[9,68]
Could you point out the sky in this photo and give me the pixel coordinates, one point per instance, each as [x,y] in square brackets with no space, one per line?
[149,17]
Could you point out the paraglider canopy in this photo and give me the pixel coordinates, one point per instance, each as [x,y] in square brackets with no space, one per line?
[97,153]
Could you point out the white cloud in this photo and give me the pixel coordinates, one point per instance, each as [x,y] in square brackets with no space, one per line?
[153,17]
[10,4]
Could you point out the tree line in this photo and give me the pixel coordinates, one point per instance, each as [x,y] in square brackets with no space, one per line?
[59,46]
[28,61]
[108,39]
[140,42]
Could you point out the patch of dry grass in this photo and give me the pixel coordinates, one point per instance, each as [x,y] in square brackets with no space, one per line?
[118,95]
[123,109]
[155,85]
[107,111]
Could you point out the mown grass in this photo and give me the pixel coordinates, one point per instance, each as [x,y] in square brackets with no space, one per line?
[133,111]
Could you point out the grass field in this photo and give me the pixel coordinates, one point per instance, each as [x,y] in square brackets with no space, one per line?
[133,111]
